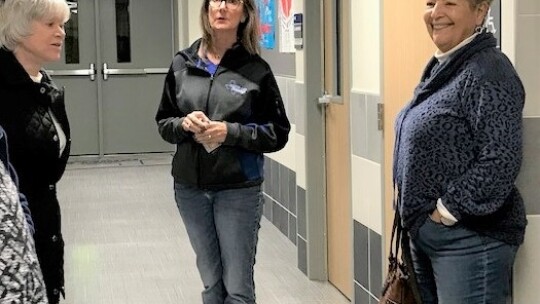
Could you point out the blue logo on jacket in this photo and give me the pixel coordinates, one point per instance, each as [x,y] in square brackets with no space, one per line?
[235,88]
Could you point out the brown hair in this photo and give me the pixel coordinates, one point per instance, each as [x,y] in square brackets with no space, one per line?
[248,31]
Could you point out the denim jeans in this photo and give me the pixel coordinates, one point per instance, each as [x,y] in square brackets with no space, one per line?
[223,230]
[455,265]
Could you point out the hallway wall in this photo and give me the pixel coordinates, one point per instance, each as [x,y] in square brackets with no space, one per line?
[284,185]
[527,61]
[286,173]
[366,150]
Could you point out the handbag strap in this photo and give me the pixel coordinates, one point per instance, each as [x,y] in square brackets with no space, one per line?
[397,232]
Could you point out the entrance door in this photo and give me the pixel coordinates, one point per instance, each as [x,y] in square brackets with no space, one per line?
[338,152]
[116,55]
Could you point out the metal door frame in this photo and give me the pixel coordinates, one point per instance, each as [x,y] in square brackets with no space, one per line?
[316,248]
[98,71]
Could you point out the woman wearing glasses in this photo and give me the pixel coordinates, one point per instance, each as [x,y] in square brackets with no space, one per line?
[222,108]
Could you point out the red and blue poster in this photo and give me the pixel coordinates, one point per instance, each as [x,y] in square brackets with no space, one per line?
[286,27]
[267,13]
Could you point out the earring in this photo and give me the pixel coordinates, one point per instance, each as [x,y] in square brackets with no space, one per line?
[479,29]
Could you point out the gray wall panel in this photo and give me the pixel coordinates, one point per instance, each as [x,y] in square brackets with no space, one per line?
[529,177]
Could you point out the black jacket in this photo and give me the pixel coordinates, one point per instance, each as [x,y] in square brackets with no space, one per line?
[34,144]
[243,93]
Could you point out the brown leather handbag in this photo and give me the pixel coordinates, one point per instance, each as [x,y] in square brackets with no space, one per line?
[400,286]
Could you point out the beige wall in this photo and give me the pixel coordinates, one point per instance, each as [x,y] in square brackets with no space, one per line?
[194,9]
[366,90]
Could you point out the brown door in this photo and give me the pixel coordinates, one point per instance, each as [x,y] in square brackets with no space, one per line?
[338,152]
[407,48]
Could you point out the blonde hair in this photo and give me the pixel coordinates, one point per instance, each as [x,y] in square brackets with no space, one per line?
[475,3]
[16,17]
[248,31]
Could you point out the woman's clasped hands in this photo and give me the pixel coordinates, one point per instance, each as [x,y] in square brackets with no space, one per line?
[207,132]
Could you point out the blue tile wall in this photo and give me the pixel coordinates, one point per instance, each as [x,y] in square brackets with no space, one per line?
[267,208]
[367,140]
[375,263]
[368,264]
[361,254]
[301,209]
[280,219]
[292,193]
[279,188]
[292,228]
[360,295]
[302,255]
[529,177]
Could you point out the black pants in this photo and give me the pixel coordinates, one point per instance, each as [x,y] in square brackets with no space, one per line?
[48,238]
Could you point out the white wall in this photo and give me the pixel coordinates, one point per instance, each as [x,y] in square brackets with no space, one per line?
[366,81]
[366,51]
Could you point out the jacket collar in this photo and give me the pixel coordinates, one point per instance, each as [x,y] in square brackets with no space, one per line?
[436,75]
[234,56]
[13,73]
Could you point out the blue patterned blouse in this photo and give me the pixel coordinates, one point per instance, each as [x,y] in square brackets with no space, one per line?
[460,139]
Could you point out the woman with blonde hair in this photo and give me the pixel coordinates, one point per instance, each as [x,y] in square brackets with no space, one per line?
[222,108]
[33,114]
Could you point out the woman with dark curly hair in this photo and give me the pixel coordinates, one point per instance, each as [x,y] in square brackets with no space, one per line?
[457,155]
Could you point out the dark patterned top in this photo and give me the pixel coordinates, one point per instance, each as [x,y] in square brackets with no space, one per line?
[20,275]
[460,139]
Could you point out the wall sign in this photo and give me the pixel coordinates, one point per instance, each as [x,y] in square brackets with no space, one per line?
[493,21]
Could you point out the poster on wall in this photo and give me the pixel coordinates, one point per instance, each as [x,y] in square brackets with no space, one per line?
[267,11]
[286,27]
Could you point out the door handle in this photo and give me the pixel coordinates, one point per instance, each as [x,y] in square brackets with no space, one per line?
[92,71]
[107,71]
[327,99]
[81,72]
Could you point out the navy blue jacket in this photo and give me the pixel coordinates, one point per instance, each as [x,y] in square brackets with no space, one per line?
[4,157]
[460,139]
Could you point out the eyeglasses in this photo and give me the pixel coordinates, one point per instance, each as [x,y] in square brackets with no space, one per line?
[228,3]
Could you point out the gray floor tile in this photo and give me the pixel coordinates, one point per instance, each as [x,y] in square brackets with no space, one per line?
[125,242]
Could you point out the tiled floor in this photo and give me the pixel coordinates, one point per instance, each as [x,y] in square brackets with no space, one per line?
[125,242]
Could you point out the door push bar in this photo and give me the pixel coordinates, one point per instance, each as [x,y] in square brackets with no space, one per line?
[82,72]
[106,71]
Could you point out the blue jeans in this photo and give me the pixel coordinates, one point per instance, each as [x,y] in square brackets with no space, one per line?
[455,265]
[223,230]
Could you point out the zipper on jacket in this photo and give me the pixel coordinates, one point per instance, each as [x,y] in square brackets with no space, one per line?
[207,113]
[208,95]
